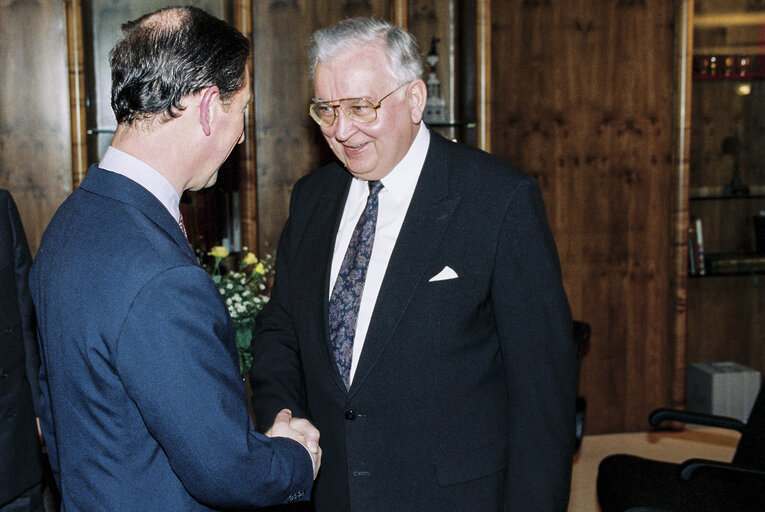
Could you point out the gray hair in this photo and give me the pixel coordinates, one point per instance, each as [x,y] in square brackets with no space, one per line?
[404,57]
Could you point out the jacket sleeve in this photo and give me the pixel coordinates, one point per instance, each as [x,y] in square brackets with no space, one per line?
[535,332]
[276,376]
[179,365]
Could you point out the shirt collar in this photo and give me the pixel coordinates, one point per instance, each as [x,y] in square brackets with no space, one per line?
[122,163]
[402,179]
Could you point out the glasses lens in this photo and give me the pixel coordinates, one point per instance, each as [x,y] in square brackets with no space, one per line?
[359,109]
[323,113]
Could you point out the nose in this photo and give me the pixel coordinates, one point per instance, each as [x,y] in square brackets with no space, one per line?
[344,126]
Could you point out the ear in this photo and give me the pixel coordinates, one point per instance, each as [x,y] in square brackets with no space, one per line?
[416,97]
[209,97]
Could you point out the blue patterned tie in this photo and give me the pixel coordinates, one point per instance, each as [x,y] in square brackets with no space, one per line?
[346,294]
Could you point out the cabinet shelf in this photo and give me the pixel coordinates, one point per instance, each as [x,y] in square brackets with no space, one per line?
[732,264]
[717,197]
[701,78]
[455,124]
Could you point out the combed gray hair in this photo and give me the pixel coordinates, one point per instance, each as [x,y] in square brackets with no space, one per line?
[404,55]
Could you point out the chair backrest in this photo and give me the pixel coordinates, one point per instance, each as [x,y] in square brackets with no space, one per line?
[750,451]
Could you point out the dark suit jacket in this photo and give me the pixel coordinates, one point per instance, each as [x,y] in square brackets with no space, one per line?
[142,405]
[20,465]
[464,395]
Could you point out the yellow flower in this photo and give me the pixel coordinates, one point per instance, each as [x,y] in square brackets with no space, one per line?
[250,259]
[218,251]
[260,269]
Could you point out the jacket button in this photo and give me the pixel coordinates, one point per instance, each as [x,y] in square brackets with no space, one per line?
[350,415]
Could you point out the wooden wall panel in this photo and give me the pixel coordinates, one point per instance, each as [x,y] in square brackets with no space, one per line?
[35,163]
[726,320]
[582,100]
[289,143]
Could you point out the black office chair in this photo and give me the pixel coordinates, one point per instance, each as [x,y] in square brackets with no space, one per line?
[630,483]
[582,341]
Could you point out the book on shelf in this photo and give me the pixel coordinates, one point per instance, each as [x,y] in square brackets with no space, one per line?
[696,264]
[735,263]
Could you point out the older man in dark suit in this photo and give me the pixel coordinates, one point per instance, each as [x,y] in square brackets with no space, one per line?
[20,458]
[418,315]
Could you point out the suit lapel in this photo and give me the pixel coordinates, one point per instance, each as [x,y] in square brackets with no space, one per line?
[319,245]
[424,226]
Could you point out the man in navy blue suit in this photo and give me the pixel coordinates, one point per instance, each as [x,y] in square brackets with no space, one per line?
[142,406]
[452,385]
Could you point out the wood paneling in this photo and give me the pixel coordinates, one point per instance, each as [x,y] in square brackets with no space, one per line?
[247,168]
[77,97]
[726,320]
[578,93]
[582,97]
[681,129]
[35,162]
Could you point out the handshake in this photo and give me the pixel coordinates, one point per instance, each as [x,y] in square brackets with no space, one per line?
[300,430]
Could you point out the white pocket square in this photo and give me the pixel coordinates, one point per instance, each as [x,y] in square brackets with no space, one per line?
[446,273]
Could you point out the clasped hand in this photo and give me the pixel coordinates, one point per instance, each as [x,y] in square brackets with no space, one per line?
[300,430]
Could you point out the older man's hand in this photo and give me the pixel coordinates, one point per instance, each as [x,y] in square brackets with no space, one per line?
[300,430]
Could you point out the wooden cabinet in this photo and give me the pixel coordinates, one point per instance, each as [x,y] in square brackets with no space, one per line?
[726,298]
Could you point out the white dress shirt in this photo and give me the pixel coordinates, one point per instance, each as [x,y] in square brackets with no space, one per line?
[130,167]
[393,203]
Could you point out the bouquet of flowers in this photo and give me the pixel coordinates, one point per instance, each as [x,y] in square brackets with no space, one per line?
[245,292]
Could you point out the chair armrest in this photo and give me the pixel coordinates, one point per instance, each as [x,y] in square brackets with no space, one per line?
[691,465]
[695,418]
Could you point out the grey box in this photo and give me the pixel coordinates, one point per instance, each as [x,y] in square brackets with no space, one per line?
[723,388]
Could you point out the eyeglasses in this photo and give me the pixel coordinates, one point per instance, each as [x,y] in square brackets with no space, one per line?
[360,110]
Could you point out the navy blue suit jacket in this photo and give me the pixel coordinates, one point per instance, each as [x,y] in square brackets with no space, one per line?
[142,406]
[20,464]
[464,394]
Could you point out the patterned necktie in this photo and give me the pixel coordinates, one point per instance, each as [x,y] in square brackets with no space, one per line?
[346,294]
[183,226]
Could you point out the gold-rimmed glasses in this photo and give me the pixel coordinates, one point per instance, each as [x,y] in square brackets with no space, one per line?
[360,110]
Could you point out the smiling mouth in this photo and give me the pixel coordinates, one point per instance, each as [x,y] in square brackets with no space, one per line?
[354,149]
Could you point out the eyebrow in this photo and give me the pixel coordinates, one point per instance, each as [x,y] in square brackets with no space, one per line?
[320,100]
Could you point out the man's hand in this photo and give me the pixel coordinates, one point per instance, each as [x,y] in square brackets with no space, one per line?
[300,430]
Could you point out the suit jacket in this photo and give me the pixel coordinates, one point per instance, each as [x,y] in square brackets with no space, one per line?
[20,464]
[143,407]
[464,394]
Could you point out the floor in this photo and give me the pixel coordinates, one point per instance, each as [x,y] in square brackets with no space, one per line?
[703,442]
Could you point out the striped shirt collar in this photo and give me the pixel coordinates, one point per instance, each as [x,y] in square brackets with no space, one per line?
[120,162]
